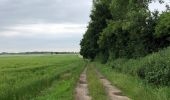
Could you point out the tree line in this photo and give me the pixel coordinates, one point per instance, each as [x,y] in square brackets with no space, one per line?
[125,29]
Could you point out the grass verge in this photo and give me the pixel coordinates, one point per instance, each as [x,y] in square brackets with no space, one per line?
[134,87]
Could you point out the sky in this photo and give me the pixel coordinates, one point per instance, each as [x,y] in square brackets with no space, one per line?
[45,25]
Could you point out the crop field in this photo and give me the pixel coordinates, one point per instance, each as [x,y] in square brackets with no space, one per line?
[38,77]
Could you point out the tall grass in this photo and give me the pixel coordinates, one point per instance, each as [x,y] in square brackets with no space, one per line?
[134,87]
[24,77]
[64,87]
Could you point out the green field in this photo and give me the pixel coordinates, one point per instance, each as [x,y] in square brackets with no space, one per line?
[38,77]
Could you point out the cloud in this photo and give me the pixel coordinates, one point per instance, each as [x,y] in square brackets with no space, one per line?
[28,25]
[60,30]
[42,37]
[18,44]
[157,6]
[44,11]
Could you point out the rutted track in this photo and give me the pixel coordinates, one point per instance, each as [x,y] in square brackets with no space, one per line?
[82,88]
[113,92]
[82,92]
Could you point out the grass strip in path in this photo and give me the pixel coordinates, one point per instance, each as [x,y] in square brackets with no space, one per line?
[96,88]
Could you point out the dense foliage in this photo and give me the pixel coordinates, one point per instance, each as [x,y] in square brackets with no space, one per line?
[100,15]
[124,29]
[154,68]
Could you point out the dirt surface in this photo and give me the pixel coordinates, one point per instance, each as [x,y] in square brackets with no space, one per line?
[112,91]
[82,88]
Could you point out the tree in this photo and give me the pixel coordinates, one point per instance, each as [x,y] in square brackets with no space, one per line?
[124,29]
[163,30]
[99,16]
[163,27]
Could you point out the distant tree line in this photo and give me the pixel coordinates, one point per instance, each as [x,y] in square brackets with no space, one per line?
[124,29]
[25,53]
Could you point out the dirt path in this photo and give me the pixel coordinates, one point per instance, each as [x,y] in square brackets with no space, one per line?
[82,88]
[112,91]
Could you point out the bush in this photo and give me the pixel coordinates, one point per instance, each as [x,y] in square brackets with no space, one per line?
[118,63]
[154,68]
[158,72]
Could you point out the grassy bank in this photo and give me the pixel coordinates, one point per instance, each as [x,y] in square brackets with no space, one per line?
[133,86]
[96,88]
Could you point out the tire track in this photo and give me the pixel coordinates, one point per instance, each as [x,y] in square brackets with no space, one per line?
[82,88]
[113,92]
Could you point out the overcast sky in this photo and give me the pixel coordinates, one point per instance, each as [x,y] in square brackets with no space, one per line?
[44,25]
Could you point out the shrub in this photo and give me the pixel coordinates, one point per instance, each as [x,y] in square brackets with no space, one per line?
[118,63]
[157,71]
[154,68]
